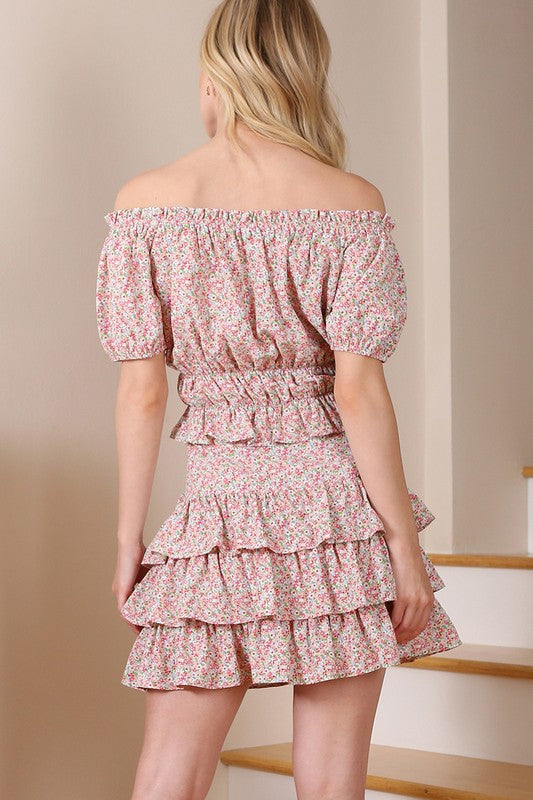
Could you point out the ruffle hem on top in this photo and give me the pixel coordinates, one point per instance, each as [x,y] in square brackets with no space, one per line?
[258,406]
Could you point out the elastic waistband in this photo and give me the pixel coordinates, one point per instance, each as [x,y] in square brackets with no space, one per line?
[283,384]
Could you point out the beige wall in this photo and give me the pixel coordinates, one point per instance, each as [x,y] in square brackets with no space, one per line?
[491,180]
[98,92]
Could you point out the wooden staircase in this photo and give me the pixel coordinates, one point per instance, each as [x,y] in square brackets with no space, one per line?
[478,699]
[480,659]
[407,772]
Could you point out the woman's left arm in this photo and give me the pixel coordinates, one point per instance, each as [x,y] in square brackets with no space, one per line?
[139,414]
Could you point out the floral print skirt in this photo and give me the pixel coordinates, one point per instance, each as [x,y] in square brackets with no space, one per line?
[272,569]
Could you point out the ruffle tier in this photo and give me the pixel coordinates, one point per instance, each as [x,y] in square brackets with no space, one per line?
[282,521]
[271,652]
[227,588]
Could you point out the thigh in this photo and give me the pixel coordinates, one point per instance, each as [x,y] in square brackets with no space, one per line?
[184,733]
[332,727]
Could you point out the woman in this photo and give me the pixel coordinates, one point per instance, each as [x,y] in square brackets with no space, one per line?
[267,276]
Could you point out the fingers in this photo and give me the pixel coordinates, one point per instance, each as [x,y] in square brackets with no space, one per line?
[120,606]
[129,572]
[410,617]
[136,628]
[121,596]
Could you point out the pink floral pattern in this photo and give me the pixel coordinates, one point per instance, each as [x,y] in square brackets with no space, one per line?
[273,567]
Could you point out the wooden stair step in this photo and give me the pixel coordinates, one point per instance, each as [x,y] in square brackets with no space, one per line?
[480,659]
[413,773]
[498,560]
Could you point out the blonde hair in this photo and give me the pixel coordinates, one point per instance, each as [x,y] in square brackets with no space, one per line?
[269,61]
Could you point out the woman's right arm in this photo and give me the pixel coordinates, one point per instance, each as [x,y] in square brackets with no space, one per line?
[367,310]
[368,417]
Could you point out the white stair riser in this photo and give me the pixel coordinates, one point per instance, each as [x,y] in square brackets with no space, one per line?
[469,715]
[489,606]
[369,795]
[248,784]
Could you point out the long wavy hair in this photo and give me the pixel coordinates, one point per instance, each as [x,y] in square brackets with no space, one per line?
[269,61]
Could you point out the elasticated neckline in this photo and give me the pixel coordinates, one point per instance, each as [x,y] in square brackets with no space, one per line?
[233,215]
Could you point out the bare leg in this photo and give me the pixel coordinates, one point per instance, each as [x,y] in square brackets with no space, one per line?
[184,733]
[333,723]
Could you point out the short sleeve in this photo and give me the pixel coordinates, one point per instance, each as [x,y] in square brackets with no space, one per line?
[128,310]
[369,306]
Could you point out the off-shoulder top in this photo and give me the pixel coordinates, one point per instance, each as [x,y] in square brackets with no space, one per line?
[249,306]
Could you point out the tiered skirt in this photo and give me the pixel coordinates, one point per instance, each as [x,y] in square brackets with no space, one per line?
[272,569]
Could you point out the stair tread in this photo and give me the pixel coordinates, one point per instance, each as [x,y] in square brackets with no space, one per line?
[498,560]
[415,773]
[484,659]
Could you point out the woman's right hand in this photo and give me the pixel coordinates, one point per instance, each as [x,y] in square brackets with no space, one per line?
[414,594]
[128,572]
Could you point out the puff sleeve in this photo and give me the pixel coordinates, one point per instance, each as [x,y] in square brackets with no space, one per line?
[128,310]
[369,305]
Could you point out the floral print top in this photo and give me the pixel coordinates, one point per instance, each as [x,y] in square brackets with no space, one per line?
[248,306]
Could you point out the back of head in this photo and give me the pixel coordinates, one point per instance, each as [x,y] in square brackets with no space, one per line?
[269,61]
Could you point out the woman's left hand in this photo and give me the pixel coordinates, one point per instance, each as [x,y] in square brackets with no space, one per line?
[128,572]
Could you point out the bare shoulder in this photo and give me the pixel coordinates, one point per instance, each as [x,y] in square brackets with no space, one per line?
[158,186]
[363,193]
[137,191]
